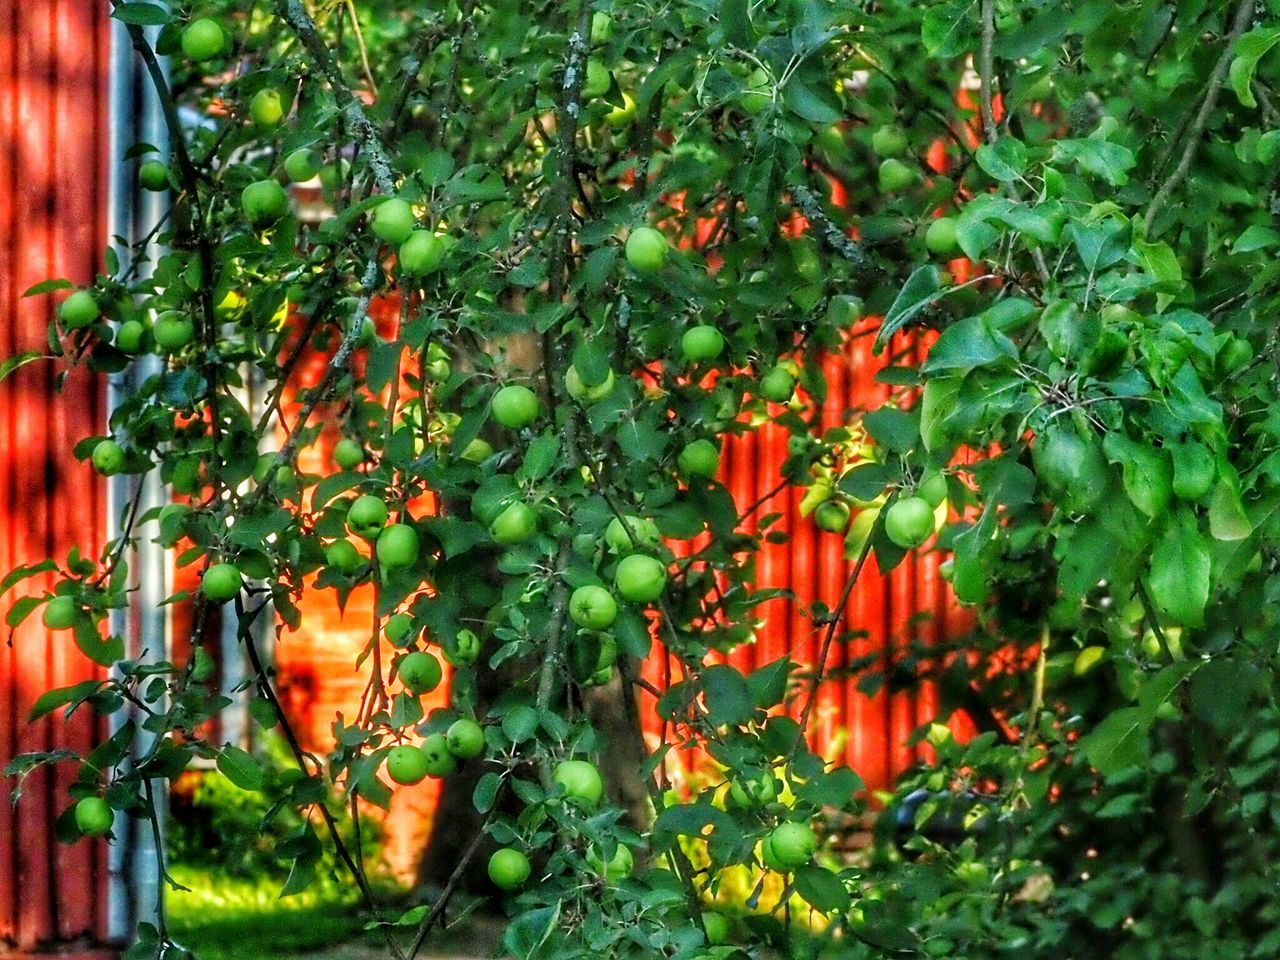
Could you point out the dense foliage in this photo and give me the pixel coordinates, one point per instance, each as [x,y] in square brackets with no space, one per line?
[1077,196]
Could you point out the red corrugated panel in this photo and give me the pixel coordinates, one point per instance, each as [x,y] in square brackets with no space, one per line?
[53,139]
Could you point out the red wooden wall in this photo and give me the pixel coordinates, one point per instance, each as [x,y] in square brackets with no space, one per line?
[53,147]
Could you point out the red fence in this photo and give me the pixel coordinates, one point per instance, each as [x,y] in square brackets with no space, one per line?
[53,130]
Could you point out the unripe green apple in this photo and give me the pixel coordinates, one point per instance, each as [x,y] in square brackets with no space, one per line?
[393,221]
[302,165]
[747,793]
[777,385]
[577,389]
[933,489]
[582,783]
[397,546]
[889,141]
[832,516]
[203,40]
[514,525]
[172,331]
[793,844]
[79,310]
[940,238]
[465,738]
[701,343]
[266,109]
[476,451]
[716,926]
[640,578]
[407,764]
[593,607]
[367,516]
[699,459]
[419,672]
[509,868]
[130,336]
[440,759]
[398,629]
[421,253]
[619,866]
[601,27]
[108,457]
[464,650]
[437,368]
[646,249]
[221,582]
[623,114]
[894,175]
[909,522]
[644,533]
[348,454]
[264,202]
[515,406]
[60,613]
[344,557]
[94,817]
[154,176]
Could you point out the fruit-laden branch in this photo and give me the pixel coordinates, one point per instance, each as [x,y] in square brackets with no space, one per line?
[1243,17]
[292,12]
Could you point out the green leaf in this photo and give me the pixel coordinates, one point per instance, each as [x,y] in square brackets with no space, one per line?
[817,105]
[1179,579]
[486,792]
[1068,334]
[1108,161]
[18,574]
[141,14]
[729,697]
[241,768]
[1118,742]
[526,934]
[540,458]
[9,364]
[1221,691]
[1005,160]
[833,788]
[917,293]
[735,20]
[520,723]
[21,609]
[1227,519]
[967,344]
[821,888]
[893,429]
[1099,244]
[1250,48]
[51,700]
[947,29]
[768,684]
[48,286]
[1256,237]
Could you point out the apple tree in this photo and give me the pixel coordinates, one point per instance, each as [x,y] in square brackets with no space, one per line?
[612,238]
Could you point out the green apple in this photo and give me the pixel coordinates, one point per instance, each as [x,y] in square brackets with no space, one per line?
[440,760]
[154,176]
[582,783]
[701,343]
[894,175]
[94,817]
[889,141]
[421,253]
[644,533]
[266,109]
[509,868]
[172,331]
[393,221]
[640,578]
[476,451]
[646,249]
[515,406]
[465,649]
[397,546]
[264,202]
[407,764]
[437,368]
[619,866]
[716,926]
[344,557]
[203,40]
[747,793]
[419,672]
[933,489]
[940,238]
[60,613]
[699,459]
[778,385]
[832,516]
[79,310]
[593,607]
[367,516]
[130,337]
[793,844]
[909,522]
[221,582]
[514,525]
[348,454]
[399,628]
[108,457]
[465,738]
[601,27]
[302,165]
[623,114]
[578,389]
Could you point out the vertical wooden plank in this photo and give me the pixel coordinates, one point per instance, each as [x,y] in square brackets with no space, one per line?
[830,575]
